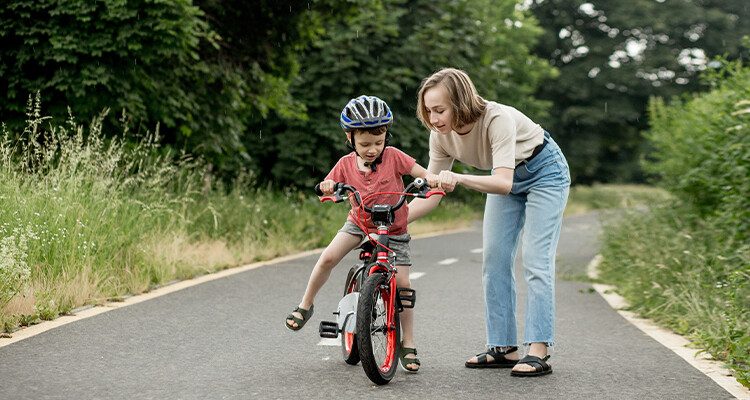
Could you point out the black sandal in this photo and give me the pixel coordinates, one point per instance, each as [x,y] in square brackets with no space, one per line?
[306,314]
[408,361]
[541,367]
[499,360]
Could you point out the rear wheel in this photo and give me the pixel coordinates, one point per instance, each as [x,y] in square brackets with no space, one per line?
[349,340]
[378,330]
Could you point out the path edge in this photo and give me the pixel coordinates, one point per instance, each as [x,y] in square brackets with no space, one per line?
[715,370]
[90,311]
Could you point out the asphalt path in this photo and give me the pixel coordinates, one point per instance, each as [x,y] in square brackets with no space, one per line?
[225,339]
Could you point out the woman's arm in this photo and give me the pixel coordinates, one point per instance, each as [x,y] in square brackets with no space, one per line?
[499,183]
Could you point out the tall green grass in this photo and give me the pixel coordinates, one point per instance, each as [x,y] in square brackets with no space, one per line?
[686,274]
[86,219]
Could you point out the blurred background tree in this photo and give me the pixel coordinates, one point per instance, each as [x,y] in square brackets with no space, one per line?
[258,85]
[614,55]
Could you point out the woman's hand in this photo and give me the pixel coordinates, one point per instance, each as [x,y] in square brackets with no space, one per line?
[432,180]
[448,180]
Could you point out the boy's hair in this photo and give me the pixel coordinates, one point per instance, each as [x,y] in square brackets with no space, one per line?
[377,131]
[467,105]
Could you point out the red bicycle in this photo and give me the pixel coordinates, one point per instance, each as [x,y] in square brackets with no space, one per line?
[368,314]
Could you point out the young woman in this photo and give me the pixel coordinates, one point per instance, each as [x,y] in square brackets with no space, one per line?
[527,188]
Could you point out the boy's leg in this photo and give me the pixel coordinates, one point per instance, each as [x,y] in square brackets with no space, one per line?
[341,244]
[407,316]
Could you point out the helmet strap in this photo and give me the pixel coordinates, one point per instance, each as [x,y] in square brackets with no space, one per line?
[373,165]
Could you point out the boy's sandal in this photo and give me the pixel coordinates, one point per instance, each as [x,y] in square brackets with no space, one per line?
[407,361]
[306,314]
[499,360]
[541,367]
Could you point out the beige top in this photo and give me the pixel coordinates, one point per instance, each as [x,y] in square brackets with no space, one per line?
[501,137]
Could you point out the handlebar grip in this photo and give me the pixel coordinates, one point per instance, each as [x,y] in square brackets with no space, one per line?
[318,191]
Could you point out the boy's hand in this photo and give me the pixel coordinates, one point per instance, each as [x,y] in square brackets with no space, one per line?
[327,186]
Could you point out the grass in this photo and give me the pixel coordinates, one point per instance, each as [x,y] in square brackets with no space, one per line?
[687,275]
[584,199]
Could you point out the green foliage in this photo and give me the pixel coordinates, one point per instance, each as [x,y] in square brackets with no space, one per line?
[14,271]
[682,272]
[687,264]
[702,151]
[101,54]
[385,48]
[160,61]
[612,56]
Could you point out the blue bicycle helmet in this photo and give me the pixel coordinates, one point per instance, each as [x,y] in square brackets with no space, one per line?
[365,112]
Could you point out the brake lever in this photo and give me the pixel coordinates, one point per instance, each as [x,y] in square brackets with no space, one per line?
[430,193]
[339,194]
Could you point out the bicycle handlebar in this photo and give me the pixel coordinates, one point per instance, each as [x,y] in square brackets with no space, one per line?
[340,189]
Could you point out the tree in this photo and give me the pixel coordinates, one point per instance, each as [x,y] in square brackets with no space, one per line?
[205,72]
[612,57]
[385,48]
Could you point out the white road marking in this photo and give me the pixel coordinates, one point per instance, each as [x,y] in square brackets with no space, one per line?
[448,261]
[479,250]
[416,275]
[326,358]
[329,342]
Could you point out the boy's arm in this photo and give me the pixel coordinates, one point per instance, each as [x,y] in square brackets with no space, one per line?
[418,171]
[419,207]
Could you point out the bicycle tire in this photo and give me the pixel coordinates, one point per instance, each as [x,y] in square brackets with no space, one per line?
[349,340]
[378,344]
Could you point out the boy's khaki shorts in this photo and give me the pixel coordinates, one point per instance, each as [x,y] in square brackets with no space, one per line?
[397,243]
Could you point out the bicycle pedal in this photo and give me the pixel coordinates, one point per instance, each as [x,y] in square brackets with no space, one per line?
[329,329]
[407,297]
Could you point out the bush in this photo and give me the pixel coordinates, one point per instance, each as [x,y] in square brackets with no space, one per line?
[702,151]
[687,264]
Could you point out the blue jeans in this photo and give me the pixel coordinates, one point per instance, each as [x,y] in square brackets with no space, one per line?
[535,203]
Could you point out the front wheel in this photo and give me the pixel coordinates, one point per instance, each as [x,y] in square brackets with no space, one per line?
[378,330]
[349,340]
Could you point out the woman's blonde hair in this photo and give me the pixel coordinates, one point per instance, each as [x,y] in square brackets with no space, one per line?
[467,105]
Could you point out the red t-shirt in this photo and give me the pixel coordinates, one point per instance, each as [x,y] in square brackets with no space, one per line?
[387,178]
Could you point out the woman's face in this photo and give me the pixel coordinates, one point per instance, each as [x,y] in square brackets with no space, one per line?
[439,109]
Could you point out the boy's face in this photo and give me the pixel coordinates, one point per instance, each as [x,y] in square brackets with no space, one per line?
[368,146]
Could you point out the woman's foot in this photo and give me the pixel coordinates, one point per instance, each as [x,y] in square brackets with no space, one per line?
[531,366]
[494,357]
[298,318]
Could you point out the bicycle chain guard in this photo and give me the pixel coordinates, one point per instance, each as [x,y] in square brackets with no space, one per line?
[346,317]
